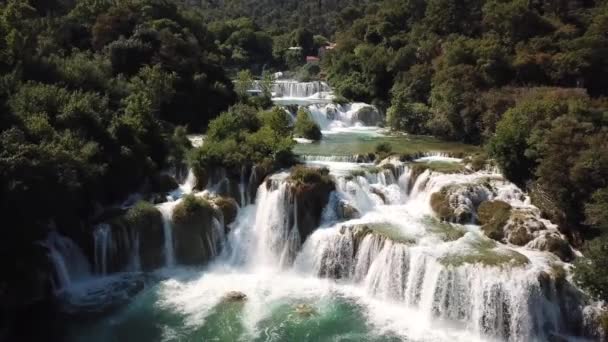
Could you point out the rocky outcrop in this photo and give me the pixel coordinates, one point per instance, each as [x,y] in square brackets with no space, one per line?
[193,231]
[235,297]
[142,224]
[554,243]
[458,203]
[346,211]
[310,189]
[521,227]
[368,115]
[228,206]
[493,216]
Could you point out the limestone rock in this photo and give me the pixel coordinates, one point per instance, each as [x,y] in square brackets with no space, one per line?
[235,297]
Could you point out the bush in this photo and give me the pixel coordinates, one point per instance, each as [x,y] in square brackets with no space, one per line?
[589,272]
[383,148]
[242,137]
[304,127]
[309,175]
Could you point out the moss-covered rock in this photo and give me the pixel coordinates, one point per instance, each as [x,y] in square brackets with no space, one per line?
[368,115]
[552,242]
[305,310]
[444,230]
[378,193]
[346,211]
[229,208]
[235,297]
[441,206]
[310,188]
[486,252]
[493,216]
[147,220]
[193,231]
[143,222]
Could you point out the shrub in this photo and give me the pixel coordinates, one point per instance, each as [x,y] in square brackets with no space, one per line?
[589,272]
[308,175]
[383,148]
[142,215]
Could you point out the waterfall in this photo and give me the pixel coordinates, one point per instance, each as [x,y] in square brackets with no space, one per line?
[332,117]
[166,209]
[266,234]
[292,88]
[189,183]
[69,263]
[104,247]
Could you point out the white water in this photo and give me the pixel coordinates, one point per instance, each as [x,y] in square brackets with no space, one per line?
[333,118]
[68,261]
[295,89]
[412,276]
[166,209]
[401,282]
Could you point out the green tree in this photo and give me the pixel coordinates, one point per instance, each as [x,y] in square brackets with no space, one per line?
[304,127]
[243,83]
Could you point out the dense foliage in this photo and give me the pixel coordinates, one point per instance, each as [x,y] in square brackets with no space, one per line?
[526,78]
[242,137]
[322,17]
[92,96]
[304,127]
[431,63]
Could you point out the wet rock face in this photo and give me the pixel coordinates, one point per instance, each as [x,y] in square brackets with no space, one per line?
[141,224]
[458,203]
[368,115]
[229,208]
[310,190]
[235,297]
[346,211]
[554,243]
[521,227]
[192,231]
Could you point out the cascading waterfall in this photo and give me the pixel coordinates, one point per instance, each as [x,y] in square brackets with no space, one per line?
[68,261]
[104,247]
[267,234]
[292,88]
[379,246]
[166,209]
[333,117]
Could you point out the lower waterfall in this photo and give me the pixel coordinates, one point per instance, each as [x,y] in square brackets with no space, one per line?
[379,267]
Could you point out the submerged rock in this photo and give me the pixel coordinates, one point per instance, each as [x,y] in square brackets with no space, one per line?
[346,211]
[235,296]
[305,310]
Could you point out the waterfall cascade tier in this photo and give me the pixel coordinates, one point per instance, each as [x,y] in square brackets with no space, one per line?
[296,89]
[365,259]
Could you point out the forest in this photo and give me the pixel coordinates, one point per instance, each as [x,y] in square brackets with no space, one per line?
[97,97]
